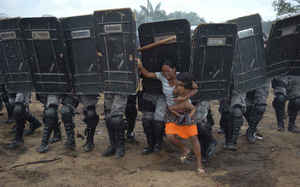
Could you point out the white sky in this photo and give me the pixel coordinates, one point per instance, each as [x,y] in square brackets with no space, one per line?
[210,10]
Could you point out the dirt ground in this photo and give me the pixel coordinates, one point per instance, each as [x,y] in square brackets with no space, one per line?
[274,161]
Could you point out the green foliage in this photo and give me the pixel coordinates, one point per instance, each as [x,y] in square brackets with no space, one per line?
[286,6]
[192,17]
[150,13]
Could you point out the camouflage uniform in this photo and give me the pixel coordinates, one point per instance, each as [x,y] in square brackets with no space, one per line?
[204,120]
[131,114]
[114,109]
[154,108]
[256,102]
[21,114]
[51,120]
[232,110]
[280,99]
[293,94]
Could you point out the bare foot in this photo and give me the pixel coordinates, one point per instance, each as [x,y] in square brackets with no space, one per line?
[201,171]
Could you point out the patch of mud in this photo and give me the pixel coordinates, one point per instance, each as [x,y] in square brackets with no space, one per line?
[30,176]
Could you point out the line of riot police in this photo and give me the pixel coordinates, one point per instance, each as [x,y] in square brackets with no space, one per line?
[72,60]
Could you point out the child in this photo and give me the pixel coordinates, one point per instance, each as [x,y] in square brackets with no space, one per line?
[183,110]
[168,79]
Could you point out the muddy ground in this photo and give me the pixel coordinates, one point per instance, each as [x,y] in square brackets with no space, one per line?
[274,161]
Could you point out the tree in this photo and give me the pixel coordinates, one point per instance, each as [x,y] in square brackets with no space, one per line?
[284,6]
[3,15]
[192,17]
[150,14]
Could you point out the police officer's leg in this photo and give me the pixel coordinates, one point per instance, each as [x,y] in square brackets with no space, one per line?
[207,142]
[159,124]
[223,105]
[146,103]
[131,114]
[114,106]
[236,121]
[279,103]
[293,109]
[50,119]
[111,149]
[91,119]
[225,122]
[9,100]
[67,114]
[254,117]
[19,114]
[117,121]
[210,120]
[148,124]
[33,122]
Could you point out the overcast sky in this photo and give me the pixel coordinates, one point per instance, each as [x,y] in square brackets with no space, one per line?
[210,10]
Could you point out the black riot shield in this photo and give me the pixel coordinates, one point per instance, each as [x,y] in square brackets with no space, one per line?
[16,63]
[116,46]
[249,64]
[45,49]
[212,48]
[2,70]
[81,43]
[283,49]
[178,52]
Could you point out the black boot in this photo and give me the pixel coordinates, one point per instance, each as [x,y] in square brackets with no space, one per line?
[293,108]
[56,134]
[131,114]
[158,134]
[130,135]
[279,106]
[292,128]
[228,129]
[120,139]
[34,124]
[237,123]
[149,132]
[70,143]
[254,117]
[89,145]
[45,140]
[203,142]
[10,119]
[111,149]
[18,141]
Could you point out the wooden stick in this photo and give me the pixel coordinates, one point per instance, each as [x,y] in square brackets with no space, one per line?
[36,162]
[155,44]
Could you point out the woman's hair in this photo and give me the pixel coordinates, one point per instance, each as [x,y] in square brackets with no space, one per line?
[169,63]
[187,79]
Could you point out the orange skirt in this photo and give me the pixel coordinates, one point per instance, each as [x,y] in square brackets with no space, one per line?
[183,131]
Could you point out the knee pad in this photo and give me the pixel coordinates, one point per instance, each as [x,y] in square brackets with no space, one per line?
[147,124]
[67,114]
[19,111]
[91,117]
[260,108]
[237,112]
[294,105]
[145,105]
[279,100]
[116,121]
[50,116]
[131,111]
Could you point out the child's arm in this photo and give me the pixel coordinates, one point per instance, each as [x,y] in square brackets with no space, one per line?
[144,71]
[191,108]
[173,109]
[188,95]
